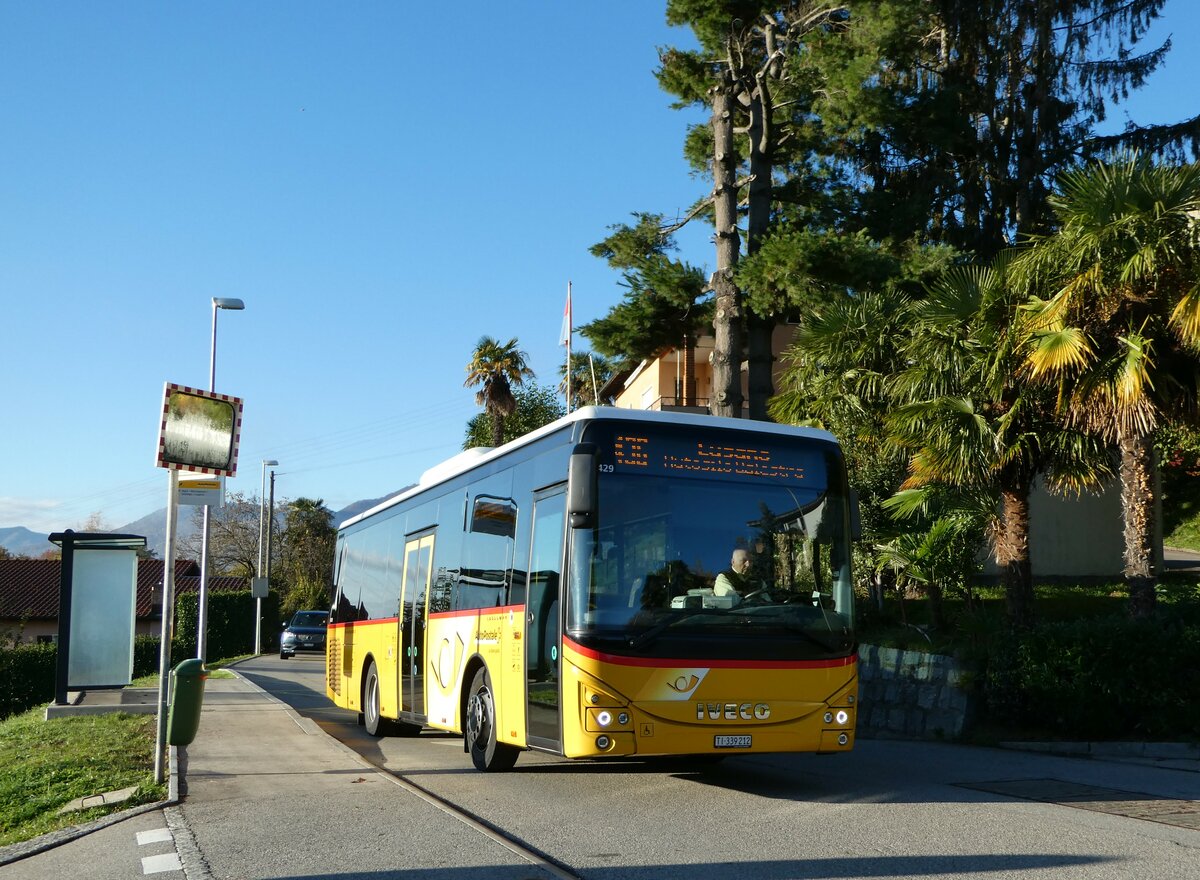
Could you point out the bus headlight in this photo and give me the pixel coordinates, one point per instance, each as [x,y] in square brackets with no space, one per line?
[603,742]
[604,718]
[843,739]
[623,719]
[842,716]
[829,718]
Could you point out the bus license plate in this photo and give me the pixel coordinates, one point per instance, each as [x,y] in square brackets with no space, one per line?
[731,742]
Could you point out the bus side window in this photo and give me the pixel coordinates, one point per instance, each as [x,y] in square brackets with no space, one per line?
[349,580]
[484,581]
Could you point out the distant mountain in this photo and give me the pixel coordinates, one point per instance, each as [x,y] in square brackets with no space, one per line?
[352,510]
[20,541]
[154,527]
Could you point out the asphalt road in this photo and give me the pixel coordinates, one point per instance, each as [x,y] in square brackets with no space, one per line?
[888,809]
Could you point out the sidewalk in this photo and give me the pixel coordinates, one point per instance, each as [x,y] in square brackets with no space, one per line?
[264,793]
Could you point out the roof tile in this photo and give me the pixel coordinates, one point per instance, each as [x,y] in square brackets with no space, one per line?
[29,587]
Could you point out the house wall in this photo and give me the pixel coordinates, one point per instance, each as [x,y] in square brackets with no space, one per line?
[30,631]
[653,386]
[1077,535]
[33,628]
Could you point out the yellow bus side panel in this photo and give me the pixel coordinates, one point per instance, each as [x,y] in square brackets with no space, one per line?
[682,709]
[510,670]
[450,640]
[347,649]
[497,636]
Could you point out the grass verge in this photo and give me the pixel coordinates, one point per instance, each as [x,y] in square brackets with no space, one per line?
[45,765]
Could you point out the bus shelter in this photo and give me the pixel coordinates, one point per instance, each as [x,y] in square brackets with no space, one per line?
[96,611]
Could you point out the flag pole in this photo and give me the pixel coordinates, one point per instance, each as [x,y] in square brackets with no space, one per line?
[568,320]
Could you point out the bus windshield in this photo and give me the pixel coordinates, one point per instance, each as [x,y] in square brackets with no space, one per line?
[703,567]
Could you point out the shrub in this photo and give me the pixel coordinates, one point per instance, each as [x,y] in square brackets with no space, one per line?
[1100,678]
[230,624]
[27,674]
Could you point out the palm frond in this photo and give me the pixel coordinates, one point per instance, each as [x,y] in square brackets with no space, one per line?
[1131,378]
[1185,317]
[1054,352]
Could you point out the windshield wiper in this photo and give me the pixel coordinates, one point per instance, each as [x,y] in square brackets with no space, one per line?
[808,636]
[645,638]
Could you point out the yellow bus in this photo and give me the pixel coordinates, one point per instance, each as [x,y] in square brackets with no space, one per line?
[617,583]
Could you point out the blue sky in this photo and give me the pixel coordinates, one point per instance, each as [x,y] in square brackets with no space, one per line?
[381,184]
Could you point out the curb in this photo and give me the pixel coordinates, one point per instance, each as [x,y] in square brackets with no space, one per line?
[14,852]
[1147,751]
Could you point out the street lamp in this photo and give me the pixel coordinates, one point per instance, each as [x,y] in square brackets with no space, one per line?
[218,302]
[262,500]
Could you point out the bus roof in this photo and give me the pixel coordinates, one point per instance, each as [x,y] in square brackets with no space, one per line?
[470,458]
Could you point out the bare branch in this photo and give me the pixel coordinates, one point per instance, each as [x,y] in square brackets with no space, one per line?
[700,207]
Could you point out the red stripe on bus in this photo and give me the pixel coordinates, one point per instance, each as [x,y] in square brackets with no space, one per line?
[472,612]
[670,663]
[380,620]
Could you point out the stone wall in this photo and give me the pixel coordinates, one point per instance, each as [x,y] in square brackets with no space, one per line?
[910,695]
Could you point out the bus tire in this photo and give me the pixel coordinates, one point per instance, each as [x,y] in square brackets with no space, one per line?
[487,753]
[372,720]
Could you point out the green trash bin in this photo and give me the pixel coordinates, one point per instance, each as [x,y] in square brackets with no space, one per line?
[187,697]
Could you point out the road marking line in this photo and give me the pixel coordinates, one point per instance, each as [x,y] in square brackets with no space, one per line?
[158,835]
[158,864]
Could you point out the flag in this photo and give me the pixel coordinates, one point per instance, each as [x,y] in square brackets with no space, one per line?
[564,337]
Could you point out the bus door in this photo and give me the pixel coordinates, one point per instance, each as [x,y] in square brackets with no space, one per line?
[418,556]
[542,619]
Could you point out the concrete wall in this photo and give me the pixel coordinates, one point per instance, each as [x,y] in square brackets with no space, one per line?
[1074,536]
[910,695]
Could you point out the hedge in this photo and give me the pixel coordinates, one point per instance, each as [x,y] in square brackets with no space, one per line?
[1099,678]
[26,677]
[230,624]
[28,671]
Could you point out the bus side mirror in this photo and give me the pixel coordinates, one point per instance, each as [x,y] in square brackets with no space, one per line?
[581,486]
[855,518]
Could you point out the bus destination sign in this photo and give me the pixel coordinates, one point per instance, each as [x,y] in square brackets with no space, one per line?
[671,455]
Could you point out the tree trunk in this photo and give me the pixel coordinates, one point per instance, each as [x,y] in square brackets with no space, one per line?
[1012,554]
[497,428]
[758,221]
[727,320]
[1137,509]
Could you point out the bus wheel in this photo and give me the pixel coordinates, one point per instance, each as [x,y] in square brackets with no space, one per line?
[370,703]
[486,752]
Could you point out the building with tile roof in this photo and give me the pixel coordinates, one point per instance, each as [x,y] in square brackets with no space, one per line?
[29,591]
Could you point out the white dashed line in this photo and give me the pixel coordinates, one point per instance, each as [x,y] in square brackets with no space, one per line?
[158,864]
[158,835]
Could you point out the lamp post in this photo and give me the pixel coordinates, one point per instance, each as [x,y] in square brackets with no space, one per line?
[262,501]
[218,302]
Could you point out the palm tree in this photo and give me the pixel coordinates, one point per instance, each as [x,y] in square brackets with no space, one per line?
[1119,335]
[974,425]
[589,372]
[495,368]
[835,377]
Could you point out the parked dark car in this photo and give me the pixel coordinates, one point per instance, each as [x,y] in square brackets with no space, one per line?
[306,632]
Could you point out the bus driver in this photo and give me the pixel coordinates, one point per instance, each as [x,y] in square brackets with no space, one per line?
[735,580]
